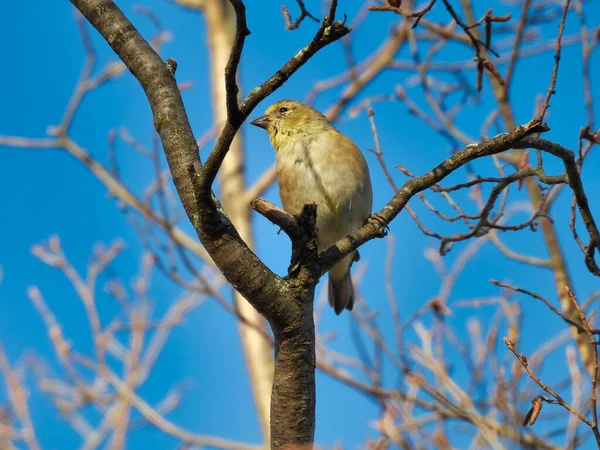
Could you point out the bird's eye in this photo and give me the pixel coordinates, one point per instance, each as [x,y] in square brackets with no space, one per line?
[283,109]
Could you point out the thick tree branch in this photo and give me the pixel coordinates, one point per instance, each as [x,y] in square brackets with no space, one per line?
[287,305]
[219,237]
[518,139]
[412,187]
[222,30]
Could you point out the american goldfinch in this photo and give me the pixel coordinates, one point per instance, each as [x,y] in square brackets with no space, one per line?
[316,163]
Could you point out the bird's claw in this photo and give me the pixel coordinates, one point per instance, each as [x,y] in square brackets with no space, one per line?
[379,222]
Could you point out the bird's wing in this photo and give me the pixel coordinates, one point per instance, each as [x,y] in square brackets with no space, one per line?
[357,194]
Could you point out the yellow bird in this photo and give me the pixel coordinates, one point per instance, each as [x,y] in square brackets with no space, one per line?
[316,163]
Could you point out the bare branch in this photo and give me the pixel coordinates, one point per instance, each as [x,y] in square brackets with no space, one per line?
[412,187]
[304,13]
[523,360]
[18,399]
[328,32]
[561,29]
[547,303]
[594,375]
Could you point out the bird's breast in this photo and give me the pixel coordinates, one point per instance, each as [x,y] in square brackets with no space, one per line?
[306,174]
[314,170]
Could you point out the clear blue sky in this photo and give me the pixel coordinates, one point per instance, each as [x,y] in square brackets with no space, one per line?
[46,192]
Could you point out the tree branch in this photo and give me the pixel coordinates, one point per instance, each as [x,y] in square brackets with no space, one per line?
[412,187]
[277,216]
[568,158]
[286,303]
[329,31]
[519,138]
[219,237]
[231,87]
[287,17]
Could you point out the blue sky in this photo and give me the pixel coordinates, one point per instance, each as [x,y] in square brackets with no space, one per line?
[46,192]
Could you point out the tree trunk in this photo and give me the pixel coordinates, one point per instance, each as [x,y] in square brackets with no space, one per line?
[220,24]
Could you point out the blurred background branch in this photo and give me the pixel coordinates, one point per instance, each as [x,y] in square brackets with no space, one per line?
[425,356]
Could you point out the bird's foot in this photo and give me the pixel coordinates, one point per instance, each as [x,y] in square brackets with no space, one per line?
[379,222]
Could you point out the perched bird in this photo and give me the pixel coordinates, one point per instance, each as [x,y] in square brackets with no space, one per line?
[316,163]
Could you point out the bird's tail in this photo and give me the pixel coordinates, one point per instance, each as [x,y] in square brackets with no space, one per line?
[341,292]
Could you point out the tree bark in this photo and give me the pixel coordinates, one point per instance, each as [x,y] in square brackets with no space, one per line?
[258,351]
[294,384]
[287,304]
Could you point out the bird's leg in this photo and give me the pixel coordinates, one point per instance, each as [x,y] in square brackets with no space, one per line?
[376,220]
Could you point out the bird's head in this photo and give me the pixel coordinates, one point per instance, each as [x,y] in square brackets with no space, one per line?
[288,119]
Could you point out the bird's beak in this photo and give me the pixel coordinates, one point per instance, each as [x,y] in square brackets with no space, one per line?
[261,122]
